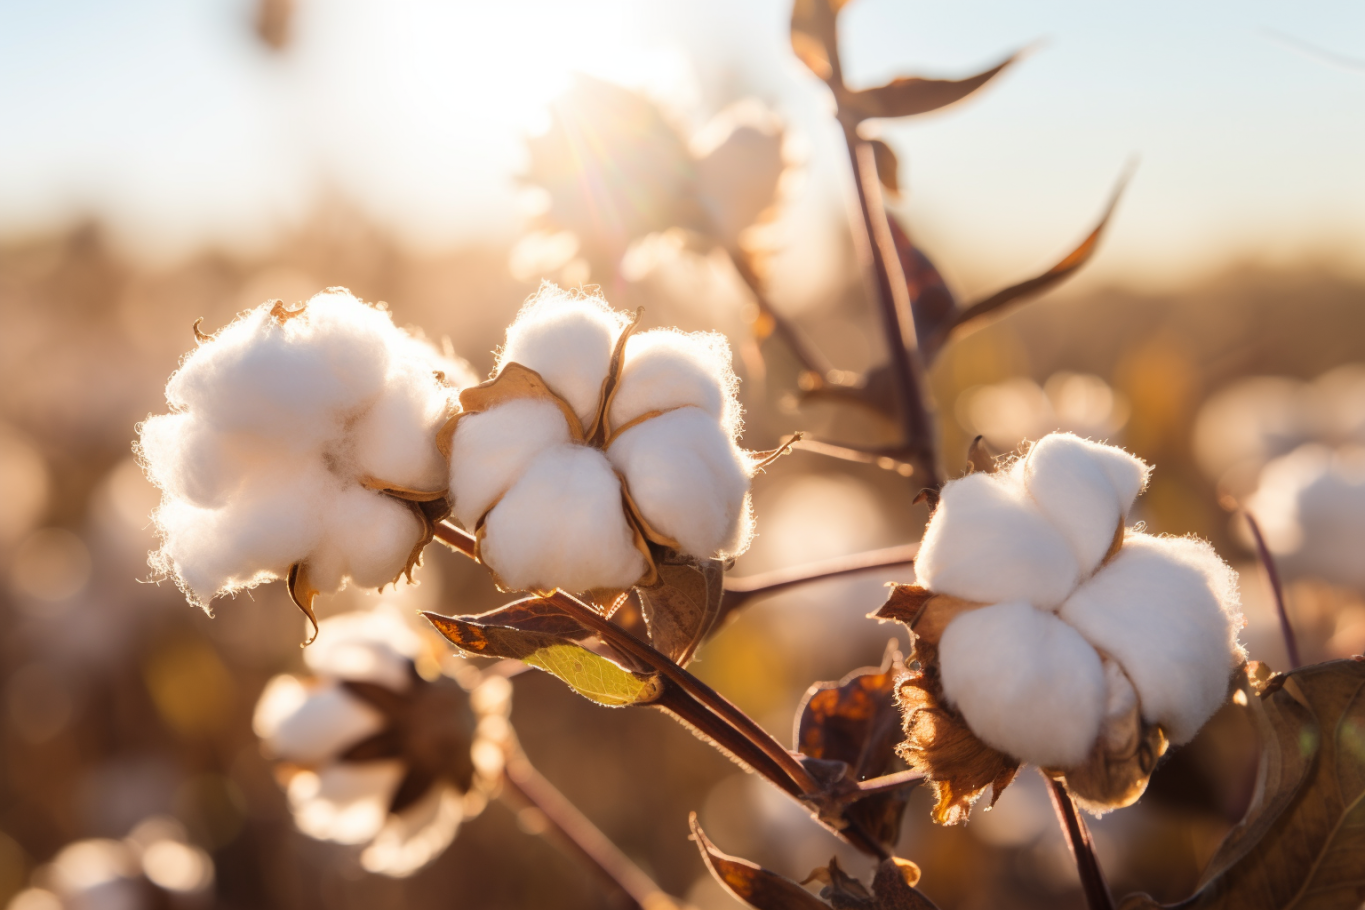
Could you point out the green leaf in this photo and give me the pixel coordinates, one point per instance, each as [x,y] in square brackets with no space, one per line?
[591,675]
[1302,842]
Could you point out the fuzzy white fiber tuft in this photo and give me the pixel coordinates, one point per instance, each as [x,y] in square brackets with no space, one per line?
[552,510]
[1162,613]
[568,339]
[1166,609]
[562,525]
[1026,682]
[1084,488]
[989,542]
[274,426]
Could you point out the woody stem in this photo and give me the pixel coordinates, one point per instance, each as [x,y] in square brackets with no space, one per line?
[738,591]
[1291,643]
[1097,896]
[647,656]
[580,836]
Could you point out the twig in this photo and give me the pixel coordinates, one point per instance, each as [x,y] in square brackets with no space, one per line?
[740,590]
[583,839]
[1097,896]
[877,248]
[632,647]
[1291,644]
[686,710]
[812,361]
[887,783]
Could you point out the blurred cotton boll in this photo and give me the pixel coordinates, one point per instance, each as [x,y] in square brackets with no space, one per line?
[1311,507]
[374,754]
[1015,410]
[299,439]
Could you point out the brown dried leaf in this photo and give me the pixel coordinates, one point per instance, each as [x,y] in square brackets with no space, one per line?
[534,614]
[751,883]
[855,721]
[303,593]
[888,167]
[939,744]
[842,891]
[925,613]
[1302,840]
[977,314]
[815,36]
[931,301]
[911,95]
[893,886]
[682,606]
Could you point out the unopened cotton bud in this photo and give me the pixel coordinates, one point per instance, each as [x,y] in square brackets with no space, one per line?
[568,339]
[1085,489]
[989,542]
[563,525]
[1025,681]
[1165,609]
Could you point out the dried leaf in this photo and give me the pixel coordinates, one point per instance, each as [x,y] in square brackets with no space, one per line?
[979,458]
[682,607]
[925,613]
[1303,838]
[931,301]
[594,677]
[911,95]
[815,36]
[893,886]
[534,614]
[514,381]
[842,891]
[751,883]
[856,721]
[976,315]
[303,593]
[600,432]
[888,167]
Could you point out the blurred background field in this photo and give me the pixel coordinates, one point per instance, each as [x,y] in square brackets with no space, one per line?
[165,162]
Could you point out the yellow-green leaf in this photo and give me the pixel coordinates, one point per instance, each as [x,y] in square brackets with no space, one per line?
[594,677]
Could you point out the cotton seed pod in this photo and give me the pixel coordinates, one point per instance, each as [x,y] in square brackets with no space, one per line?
[1049,634]
[593,443]
[371,753]
[300,445]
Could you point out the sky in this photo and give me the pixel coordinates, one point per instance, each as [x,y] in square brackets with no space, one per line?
[170,122]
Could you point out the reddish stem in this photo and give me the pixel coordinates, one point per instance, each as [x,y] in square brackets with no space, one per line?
[1097,896]
[1291,644]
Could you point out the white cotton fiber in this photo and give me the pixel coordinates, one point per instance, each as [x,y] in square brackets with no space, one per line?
[688,480]
[988,542]
[667,369]
[328,721]
[278,419]
[1166,609]
[491,449]
[368,645]
[1120,698]
[568,339]
[562,524]
[1027,683]
[1084,488]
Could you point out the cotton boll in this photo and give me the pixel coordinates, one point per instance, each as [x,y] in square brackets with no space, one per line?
[666,369]
[370,646]
[415,836]
[371,535]
[1027,683]
[1311,508]
[326,723]
[344,803]
[1165,608]
[1085,488]
[688,480]
[396,439]
[491,449]
[563,525]
[569,341]
[988,542]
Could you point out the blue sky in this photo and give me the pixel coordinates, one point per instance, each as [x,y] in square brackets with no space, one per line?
[168,121]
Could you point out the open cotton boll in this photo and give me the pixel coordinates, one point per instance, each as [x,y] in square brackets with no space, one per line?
[344,803]
[369,538]
[562,525]
[412,838]
[568,339]
[491,449]
[666,369]
[688,480]
[739,167]
[328,721]
[1085,488]
[1026,682]
[370,646]
[1166,609]
[988,542]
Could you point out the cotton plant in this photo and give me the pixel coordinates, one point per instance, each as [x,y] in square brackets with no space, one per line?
[1050,633]
[595,449]
[300,445]
[372,753]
